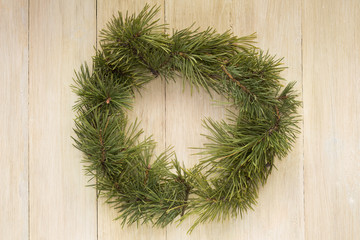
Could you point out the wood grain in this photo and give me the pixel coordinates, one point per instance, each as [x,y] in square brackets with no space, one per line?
[331,119]
[62,35]
[186,109]
[183,122]
[280,210]
[150,109]
[314,194]
[14,120]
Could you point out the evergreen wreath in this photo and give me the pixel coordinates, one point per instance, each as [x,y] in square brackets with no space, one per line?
[240,156]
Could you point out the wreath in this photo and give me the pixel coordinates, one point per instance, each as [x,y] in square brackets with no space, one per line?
[261,124]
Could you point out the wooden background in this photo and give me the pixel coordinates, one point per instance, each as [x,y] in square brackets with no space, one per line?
[314,194]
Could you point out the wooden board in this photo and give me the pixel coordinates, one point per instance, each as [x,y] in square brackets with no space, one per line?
[62,36]
[185,110]
[284,189]
[331,58]
[14,120]
[150,109]
[314,194]
[280,210]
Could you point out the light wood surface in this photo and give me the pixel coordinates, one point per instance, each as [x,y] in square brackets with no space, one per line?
[62,35]
[314,193]
[150,109]
[280,212]
[14,120]
[331,59]
[185,109]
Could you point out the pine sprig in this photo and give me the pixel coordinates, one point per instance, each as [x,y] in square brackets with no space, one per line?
[240,154]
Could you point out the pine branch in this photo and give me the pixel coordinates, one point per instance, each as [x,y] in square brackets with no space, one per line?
[241,150]
[234,80]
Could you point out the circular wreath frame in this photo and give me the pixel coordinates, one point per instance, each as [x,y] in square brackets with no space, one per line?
[240,156]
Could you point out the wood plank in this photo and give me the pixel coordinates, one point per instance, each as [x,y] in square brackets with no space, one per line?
[331,57]
[62,35]
[246,17]
[185,111]
[150,109]
[280,210]
[14,119]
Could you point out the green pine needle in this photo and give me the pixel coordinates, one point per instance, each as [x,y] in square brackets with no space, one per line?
[241,151]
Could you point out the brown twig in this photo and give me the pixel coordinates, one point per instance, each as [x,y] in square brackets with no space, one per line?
[277,113]
[187,192]
[147,173]
[166,61]
[282,97]
[139,55]
[103,152]
[103,157]
[276,126]
[234,80]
